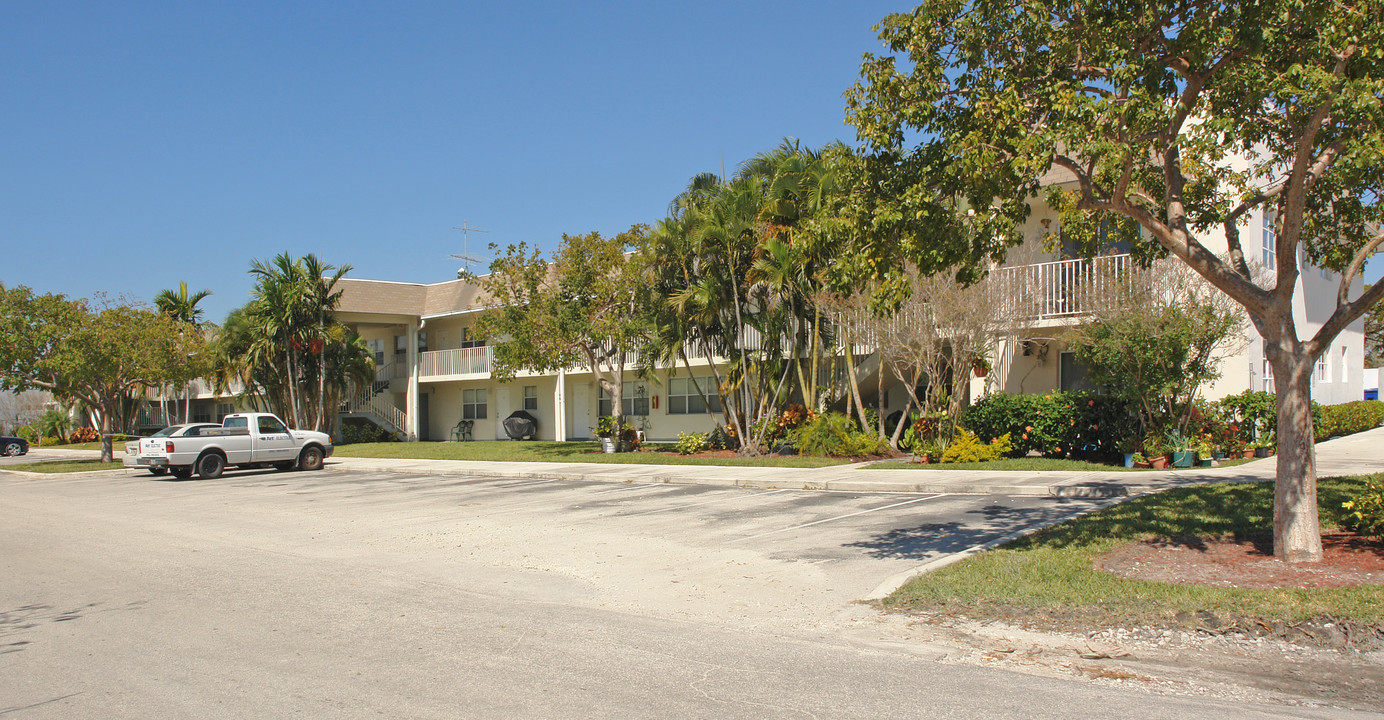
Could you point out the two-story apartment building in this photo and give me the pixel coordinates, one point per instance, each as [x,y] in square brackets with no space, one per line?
[434,373]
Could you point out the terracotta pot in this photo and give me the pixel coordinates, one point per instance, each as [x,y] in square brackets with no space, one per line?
[1158,463]
[980,372]
[1247,453]
[1142,465]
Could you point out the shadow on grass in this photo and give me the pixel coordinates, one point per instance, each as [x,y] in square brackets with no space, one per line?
[1243,511]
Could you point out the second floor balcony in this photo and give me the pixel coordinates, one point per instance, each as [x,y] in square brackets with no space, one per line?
[473,362]
[1066,288]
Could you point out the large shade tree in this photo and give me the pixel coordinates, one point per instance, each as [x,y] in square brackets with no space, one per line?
[105,356]
[579,307]
[1183,118]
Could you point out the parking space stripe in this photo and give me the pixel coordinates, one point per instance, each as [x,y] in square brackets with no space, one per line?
[629,487]
[531,482]
[738,496]
[830,519]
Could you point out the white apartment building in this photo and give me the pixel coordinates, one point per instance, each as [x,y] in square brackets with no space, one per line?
[434,373]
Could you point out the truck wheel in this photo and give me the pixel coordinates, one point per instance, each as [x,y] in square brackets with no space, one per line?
[310,459]
[284,466]
[14,449]
[158,471]
[210,466]
[182,473]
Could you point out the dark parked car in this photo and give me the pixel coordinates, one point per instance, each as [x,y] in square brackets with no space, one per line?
[13,446]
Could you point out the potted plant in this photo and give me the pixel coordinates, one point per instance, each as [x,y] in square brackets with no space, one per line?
[1156,451]
[930,452]
[629,439]
[1181,446]
[1139,461]
[1205,451]
[605,430]
[980,365]
[1129,448]
[1262,449]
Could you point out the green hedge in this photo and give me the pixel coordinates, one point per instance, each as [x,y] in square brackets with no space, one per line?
[1346,418]
[1054,424]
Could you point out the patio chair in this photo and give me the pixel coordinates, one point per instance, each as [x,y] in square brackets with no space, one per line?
[462,431]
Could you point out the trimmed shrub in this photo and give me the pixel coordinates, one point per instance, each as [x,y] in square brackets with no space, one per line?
[1367,510]
[966,447]
[355,430]
[28,433]
[1055,424]
[689,443]
[1346,418]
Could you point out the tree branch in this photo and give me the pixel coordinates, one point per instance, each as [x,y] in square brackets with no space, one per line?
[1356,264]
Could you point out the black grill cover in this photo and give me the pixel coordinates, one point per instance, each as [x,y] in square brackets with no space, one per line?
[520,425]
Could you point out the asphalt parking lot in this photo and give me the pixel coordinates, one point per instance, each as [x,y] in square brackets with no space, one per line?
[348,594]
[682,550]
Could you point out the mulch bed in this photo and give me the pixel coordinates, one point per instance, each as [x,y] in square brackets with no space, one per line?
[1347,559]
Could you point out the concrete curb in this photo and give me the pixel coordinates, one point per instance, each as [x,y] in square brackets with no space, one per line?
[894,582]
[1059,488]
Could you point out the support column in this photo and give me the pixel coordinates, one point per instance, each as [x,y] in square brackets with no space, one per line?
[411,405]
[560,407]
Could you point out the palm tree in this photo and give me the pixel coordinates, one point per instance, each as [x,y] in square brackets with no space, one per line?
[287,341]
[181,307]
[323,297]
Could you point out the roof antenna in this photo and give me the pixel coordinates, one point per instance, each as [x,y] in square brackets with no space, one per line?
[465,257]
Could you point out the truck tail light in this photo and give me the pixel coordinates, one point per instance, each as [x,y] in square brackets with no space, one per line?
[168,447]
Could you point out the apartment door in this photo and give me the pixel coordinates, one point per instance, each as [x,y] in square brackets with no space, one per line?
[423,416]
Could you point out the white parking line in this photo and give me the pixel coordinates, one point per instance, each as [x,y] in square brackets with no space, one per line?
[629,487]
[830,519]
[531,482]
[741,496]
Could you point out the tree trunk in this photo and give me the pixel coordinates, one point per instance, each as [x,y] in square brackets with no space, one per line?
[1296,532]
[854,381]
[107,453]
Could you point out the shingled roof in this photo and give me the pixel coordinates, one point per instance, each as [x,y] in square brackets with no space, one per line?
[385,297]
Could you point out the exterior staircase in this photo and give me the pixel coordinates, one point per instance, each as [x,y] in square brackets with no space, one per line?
[377,405]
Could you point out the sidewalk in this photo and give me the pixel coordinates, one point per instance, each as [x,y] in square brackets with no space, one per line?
[1352,455]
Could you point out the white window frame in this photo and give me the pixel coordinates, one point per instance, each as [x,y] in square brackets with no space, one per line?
[630,402]
[1345,363]
[684,398]
[1270,239]
[474,404]
[531,398]
[1323,373]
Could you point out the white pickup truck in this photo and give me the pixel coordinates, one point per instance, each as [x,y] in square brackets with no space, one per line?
[244,440]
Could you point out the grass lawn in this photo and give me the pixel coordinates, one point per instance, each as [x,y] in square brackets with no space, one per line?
[64,466]
[1030,464]
[1048,578]
[561,452]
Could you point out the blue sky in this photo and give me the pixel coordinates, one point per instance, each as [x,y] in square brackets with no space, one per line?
[147,143]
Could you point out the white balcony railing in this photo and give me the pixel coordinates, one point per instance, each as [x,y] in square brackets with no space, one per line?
[467,361]
[1066,287]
